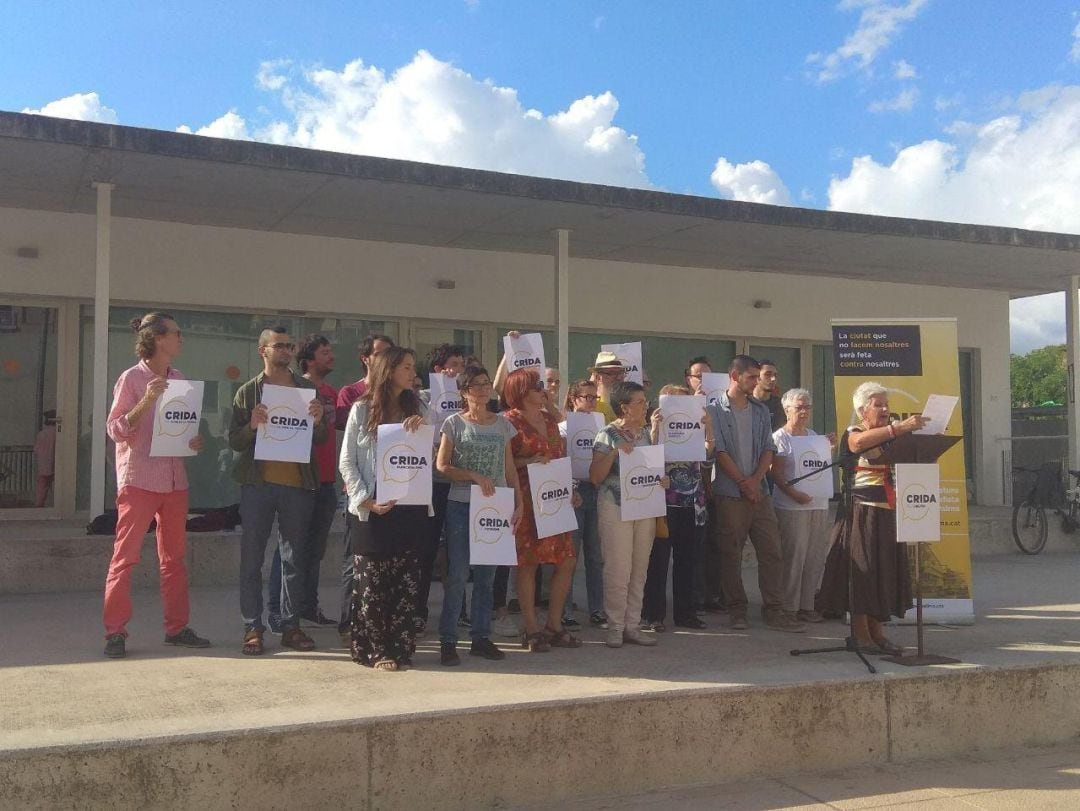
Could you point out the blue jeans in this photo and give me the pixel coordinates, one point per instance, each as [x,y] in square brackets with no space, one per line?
[457,575]
[587,536]
[259,503]
[322,516]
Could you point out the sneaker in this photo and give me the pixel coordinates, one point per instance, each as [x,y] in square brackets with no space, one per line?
[187,638]
[297,640]
[506,627]
[419,625]
[273,621]
[636,637]
[571,624]
[738,622]
[690,622]
[784,622]
[598,619]
[614,638]
[486,648]
[115,646]
[463,620]
[714,606]
[318,618]
[514,607]
[448,654]
[809,616]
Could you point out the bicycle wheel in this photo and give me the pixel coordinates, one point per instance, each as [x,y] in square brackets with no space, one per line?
[1029,527]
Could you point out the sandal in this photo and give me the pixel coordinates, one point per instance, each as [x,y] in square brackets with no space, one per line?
[535,643]
[561,638]
[888,647]
[870,648]
[385,665]
[253,643]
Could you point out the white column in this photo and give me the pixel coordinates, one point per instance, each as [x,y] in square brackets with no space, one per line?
[1072,353]
[562,307]
[101,346]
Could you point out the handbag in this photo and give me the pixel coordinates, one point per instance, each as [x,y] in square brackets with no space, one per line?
[662,527]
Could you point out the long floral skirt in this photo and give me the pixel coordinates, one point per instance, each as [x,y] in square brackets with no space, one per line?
[381,613]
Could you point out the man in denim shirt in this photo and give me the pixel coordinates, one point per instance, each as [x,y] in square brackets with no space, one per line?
[744,453]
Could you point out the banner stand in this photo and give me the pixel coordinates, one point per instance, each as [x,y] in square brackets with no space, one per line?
[921,658]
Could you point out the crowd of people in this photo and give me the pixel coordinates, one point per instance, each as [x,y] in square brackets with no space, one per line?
[743,490]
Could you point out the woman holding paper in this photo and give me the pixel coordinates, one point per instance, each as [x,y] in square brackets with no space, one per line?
[686,515]
[803,519]
[386,538]
[474,450]
[538,442]
[626,544]
[864,543]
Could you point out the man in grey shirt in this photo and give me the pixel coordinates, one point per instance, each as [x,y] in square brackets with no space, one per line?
[744,454]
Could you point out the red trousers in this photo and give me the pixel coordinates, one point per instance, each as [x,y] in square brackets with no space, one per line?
[135,509]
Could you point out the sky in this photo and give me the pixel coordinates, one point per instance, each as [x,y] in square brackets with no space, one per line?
[936,109]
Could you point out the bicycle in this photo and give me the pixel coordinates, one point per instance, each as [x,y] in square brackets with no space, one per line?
[1029,523]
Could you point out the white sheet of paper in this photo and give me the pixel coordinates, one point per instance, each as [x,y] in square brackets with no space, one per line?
[176,418]
[552,489]
[681,431]
[918,503]
[445,397]
[403,464]
[939,408]
[524,352]
[581,430]
[288,434]
[629,354]
[491,537]
[640,472]
[712,383]
[810,453]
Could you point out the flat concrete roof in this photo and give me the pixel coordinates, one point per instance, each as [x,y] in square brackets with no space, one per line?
[50,163]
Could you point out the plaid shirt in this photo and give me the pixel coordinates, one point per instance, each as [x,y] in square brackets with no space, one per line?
[135,467]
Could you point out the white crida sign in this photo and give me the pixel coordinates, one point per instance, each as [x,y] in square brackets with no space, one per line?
[629,356]
[640,472]
[681,431]
[713,383]
[491,535]
[176,418]
[811,455]
[445,397]
[918,503]
[524,352]
[286,435]
[581,430]
[403,464]
[552,489]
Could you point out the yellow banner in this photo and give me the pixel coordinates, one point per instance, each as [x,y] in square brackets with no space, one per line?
[914,358]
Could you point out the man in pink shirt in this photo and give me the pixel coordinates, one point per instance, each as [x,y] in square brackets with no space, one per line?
[148,487]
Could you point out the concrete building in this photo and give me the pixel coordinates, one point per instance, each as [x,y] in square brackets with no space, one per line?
[99,223]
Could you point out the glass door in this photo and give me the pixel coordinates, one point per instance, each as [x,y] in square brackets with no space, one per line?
[33,409]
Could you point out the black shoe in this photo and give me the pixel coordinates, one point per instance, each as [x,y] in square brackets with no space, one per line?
[187,638]
[571,624]
[690,622]
[318,618]
[486,648]
[714,606]
[514,607]
[114,646]
[419,625]
[273,621]
[448,654]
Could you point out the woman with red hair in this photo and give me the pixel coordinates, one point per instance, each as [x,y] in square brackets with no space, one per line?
[538,442]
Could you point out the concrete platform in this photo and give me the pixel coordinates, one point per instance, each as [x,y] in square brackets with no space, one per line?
[172,728]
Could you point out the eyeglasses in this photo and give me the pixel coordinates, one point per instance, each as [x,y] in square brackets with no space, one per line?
[282,345]
[540,386]
[485,385]
[694,377]
[588,398]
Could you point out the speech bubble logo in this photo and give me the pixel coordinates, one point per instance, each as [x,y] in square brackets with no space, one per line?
[401,472]
[915,501]
[638,492]
[174,427]
[678,436]
[276,431]
[551,506]
[486,533]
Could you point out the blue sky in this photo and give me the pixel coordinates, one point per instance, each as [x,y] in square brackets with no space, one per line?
[966,111]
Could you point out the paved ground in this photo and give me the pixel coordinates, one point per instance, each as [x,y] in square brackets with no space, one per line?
[57,687]
[1025,778]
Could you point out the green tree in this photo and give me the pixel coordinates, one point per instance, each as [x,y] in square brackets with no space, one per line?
[1039,377]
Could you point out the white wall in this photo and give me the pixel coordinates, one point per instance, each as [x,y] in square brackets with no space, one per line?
[197,266]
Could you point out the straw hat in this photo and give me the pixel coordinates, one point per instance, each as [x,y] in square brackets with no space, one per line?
[606,360]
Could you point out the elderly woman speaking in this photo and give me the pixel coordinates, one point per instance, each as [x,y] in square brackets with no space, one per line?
[864,536]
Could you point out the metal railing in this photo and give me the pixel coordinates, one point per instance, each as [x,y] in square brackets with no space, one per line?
[17,470]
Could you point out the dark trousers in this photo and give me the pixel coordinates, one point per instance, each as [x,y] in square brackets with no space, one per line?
[681,546]
[439,493]
[322,517]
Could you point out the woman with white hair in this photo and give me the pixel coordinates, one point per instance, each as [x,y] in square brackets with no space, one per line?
[803,520]
[864,536]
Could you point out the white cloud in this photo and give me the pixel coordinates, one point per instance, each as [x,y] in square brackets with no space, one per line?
[943,103]
[1074,51]
[880,22]
[904,70]
[231,125]
[80,106]
[431,111]
[753,182]
[1036,321]
[903,102]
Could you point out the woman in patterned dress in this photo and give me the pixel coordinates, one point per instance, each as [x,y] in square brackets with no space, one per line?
[538,442]
[385,537]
